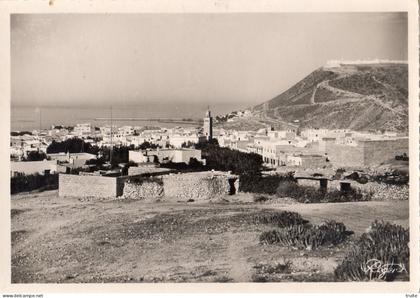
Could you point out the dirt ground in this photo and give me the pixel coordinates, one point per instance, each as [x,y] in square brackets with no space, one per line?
[66,240]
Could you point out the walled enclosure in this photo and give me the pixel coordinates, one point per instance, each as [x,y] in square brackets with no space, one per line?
[367,153]
[181,187]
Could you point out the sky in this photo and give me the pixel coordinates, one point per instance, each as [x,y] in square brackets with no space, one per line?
[127,59]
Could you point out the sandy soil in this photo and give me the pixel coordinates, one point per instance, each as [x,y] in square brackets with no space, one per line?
[58,240]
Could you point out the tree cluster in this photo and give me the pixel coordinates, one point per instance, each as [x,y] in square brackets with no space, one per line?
[73,145]
[20,133]
[35,156]
[225,159]
[31,182]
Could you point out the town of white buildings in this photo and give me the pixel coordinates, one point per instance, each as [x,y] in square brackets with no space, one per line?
[309,148]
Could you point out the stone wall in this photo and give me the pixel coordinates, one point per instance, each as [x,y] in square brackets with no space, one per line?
[181,187]
[377,191]
[89,186]
[147,188]
[148,170]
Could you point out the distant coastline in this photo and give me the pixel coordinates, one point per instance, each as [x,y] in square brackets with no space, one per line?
[26,117]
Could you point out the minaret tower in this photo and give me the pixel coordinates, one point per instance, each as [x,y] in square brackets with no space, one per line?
[208,125]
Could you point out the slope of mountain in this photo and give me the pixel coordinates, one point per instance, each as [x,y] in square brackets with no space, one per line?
[354,96]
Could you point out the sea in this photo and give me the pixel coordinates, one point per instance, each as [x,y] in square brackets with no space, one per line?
[28,118]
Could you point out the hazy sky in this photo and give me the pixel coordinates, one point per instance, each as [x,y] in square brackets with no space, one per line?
[69,59]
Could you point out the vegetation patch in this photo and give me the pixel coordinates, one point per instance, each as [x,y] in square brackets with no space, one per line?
[18,235]
[275,268]
[261,198]
[16,212]
[280,219]
[263,184]
[225,159]
[380,254]
[268,272]
[307,194]
[307,236]
[24,183]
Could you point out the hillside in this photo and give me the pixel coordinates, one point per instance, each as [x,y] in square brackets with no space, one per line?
[354,96]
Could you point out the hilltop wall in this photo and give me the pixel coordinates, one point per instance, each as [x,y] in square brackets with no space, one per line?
[182,187]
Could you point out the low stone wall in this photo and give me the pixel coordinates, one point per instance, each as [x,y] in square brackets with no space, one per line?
[180,187]
[147,188]
[378,191]
[384,192]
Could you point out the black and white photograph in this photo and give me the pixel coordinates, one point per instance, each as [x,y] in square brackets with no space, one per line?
[263,147]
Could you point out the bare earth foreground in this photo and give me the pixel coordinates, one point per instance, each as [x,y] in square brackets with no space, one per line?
[56,240]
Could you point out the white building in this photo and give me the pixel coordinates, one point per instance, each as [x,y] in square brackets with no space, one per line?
[33,167]
[165,155]
[82,129]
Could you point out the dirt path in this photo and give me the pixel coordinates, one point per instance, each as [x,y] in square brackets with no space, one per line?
[240,268]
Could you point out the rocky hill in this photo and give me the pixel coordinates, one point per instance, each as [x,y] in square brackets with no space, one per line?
[355,96]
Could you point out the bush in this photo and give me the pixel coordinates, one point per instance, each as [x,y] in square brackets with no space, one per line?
[394,177]
[307,194]
[280,219]
[262,185]
[301,236]
[31,182]
[381,254]
[265,272]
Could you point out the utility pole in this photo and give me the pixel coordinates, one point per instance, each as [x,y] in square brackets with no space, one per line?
[111,150]
[40,121]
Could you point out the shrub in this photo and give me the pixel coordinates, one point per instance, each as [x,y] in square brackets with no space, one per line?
[280,219]
[276,268]
[265,272]
[381,254]
[301,236]
[289,189]
[394,177]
